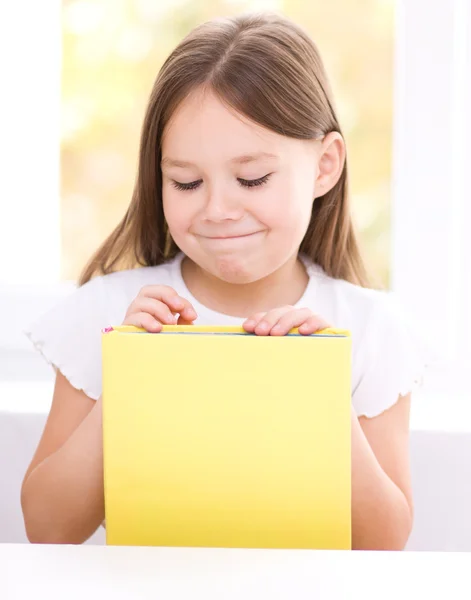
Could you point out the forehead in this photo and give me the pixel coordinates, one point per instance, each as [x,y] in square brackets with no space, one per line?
[203,125]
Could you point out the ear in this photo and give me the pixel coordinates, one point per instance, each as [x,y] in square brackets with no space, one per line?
[331,159]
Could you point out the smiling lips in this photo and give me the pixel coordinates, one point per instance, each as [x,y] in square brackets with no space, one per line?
[230,237]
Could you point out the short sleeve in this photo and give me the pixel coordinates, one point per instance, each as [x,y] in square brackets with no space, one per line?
[69,336]
[394,358]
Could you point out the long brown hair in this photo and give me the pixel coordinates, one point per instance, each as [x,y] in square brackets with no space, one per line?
[267,68]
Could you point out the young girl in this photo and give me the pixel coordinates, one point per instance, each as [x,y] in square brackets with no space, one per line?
[240,215]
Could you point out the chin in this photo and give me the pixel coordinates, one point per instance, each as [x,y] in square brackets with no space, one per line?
[234,271]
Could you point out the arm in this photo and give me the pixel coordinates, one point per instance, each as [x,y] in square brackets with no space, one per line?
[62,491]
[382,506]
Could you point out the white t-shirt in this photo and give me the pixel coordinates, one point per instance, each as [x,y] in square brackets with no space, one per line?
[386,360]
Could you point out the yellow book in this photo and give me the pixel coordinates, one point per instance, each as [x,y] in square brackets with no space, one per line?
[218,438]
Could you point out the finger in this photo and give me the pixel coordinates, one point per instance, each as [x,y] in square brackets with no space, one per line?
[312,324]
[156,308]
[182,321]
[145,321]
[250,323]
[290,319]
[159,292]
[169,296]
[270,319]
[188,313]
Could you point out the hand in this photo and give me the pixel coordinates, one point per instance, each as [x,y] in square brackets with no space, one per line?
[280,321]
[158,305]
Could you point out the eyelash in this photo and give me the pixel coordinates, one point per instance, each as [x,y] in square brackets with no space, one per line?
[247,183]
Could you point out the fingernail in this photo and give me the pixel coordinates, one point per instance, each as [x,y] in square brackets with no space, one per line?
[250,323]
[276,328]
[263,326]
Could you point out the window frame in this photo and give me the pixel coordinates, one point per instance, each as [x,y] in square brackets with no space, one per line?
[433,86]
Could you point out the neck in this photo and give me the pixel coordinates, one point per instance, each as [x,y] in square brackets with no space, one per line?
[283,287]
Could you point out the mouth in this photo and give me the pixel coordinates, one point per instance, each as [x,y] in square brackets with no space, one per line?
[230,237]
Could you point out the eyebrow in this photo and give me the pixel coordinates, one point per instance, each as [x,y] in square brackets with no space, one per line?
[240,160]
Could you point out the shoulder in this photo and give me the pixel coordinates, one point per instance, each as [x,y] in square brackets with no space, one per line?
[68,335]
[387,357]
[372,316]
[132,280]
[117,290]
[346,305]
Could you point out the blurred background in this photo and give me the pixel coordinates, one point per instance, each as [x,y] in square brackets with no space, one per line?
[112,51]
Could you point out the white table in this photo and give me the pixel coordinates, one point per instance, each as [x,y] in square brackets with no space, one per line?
[115,573]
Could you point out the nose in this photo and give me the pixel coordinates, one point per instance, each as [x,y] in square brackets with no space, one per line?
[221,206]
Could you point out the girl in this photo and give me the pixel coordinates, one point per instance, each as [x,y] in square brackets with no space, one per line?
[240,215]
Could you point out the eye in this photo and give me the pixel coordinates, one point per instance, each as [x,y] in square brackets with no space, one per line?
[186,186]
[247,183]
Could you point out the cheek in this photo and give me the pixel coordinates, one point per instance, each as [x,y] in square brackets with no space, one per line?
[299,204]
[176,213]
[287,210]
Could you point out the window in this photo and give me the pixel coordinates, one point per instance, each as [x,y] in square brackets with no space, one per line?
[431,246]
